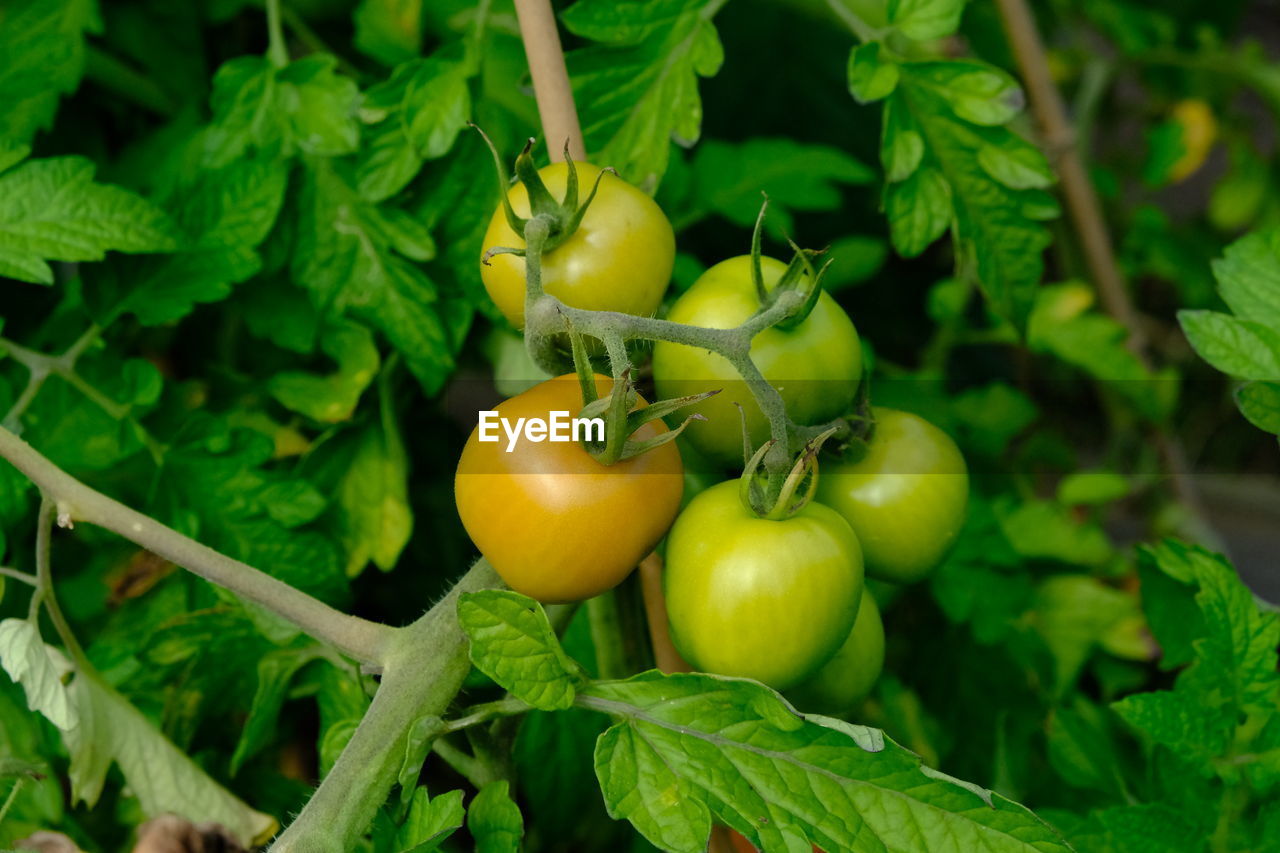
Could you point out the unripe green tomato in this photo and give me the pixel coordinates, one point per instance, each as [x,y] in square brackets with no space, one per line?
[848,677]
[905,499]
[619,259]
[816,366]
[750,597]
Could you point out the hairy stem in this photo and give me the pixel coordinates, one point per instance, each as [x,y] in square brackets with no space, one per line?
[424,669]
[366,641]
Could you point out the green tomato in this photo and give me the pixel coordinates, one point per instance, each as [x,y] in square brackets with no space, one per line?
[905,499]
[749,597]
[848,677]
[816,366]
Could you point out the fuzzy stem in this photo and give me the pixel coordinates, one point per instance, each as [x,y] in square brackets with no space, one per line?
[75,501]
[424,669]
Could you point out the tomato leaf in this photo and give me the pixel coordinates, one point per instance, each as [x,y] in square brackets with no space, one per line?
[925,19]
[871,79]
[43,45]
[688,749]
[164,780]
[1243,348]
[413,117]
[222,216]
[1232,676]
[31,663]
[51,209]
[638,88]
[494,820]
[430,821]
[512,643]
[731,180]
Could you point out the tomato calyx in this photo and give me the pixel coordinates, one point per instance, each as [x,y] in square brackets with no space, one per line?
[795,491]
[560,218]
[618,410]
[800,283]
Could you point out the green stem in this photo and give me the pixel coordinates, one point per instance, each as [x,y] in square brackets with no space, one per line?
[485,712]
[366,641]
[277,52]
[606,636]
[468,766]
[18,785]
[121,80]
[44,575]
[424,669]
[23,577]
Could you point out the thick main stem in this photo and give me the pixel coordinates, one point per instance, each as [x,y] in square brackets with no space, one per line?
[75,501]
[424,670]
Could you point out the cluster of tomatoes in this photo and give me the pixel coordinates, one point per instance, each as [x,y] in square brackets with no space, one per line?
[778,599]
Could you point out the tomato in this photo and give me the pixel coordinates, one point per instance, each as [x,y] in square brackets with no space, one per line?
[816,366]
[556,524]
[619,259]
[750,597]
[905,499]
[848,677]
[1199,128]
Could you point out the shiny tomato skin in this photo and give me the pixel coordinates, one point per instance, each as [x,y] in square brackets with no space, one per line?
[619,259]
[556,524]
[749,597]
[906,499]
[816,366]
[846,679]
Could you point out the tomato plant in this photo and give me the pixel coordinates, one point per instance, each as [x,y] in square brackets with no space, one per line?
[618,259]
[816,365]
[759,598]
[905,498]
[555,523]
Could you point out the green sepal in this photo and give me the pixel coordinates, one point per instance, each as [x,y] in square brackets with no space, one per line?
[662,408]
[581,210]
[811,282]
[757,274]
[541,202]
[504,184]
[634,448]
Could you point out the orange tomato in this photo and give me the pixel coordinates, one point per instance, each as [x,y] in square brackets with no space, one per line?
[556,524]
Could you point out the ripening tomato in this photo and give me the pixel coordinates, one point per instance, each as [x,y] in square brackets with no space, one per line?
[905,499]
[1199,128]
[619,259]
[762,599]
[816,366]
[556,524]
[848,677]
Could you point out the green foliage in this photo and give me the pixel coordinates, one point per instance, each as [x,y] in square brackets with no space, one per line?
[1246,343]
[951,162]
[638,86]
